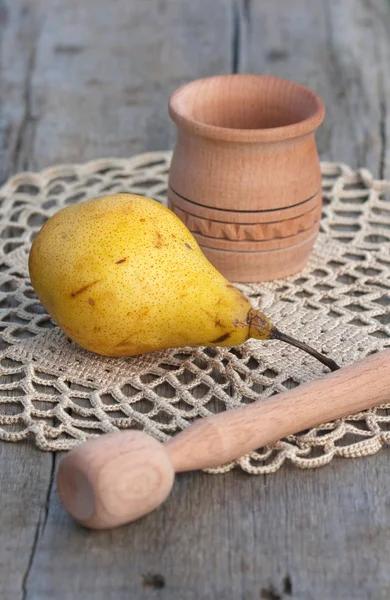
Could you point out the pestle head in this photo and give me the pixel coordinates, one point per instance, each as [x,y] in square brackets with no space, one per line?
[115,479]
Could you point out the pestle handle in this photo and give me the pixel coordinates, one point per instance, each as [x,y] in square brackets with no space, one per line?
[121,476]
[219,439]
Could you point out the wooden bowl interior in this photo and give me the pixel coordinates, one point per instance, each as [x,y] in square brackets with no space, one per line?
[246,102]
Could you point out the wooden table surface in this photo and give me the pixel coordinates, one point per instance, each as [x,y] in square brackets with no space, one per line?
[91,78]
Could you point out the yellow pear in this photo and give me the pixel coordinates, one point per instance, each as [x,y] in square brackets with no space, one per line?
[122,275]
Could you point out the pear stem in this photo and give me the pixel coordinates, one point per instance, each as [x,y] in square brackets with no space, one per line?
[275,334]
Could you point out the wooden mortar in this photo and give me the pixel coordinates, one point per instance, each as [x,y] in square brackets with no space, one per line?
[245,175]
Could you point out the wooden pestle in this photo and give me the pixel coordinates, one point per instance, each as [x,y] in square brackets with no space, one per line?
[122,476]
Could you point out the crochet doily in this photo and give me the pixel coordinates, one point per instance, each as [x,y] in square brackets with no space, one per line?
[60,395]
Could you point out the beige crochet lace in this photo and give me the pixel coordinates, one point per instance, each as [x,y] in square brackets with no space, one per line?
[59,395]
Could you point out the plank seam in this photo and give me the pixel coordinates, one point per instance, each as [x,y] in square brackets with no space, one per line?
[40,528]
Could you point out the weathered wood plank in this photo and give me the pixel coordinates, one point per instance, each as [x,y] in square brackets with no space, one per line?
[382,26]
[25,480]
[103,73]
[341,50]
[296,534]
[20,25]
[25,473]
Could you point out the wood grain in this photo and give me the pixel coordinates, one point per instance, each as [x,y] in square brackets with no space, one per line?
[25,482]
[296,534]
[341,50]
[102,74]
[20,28]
